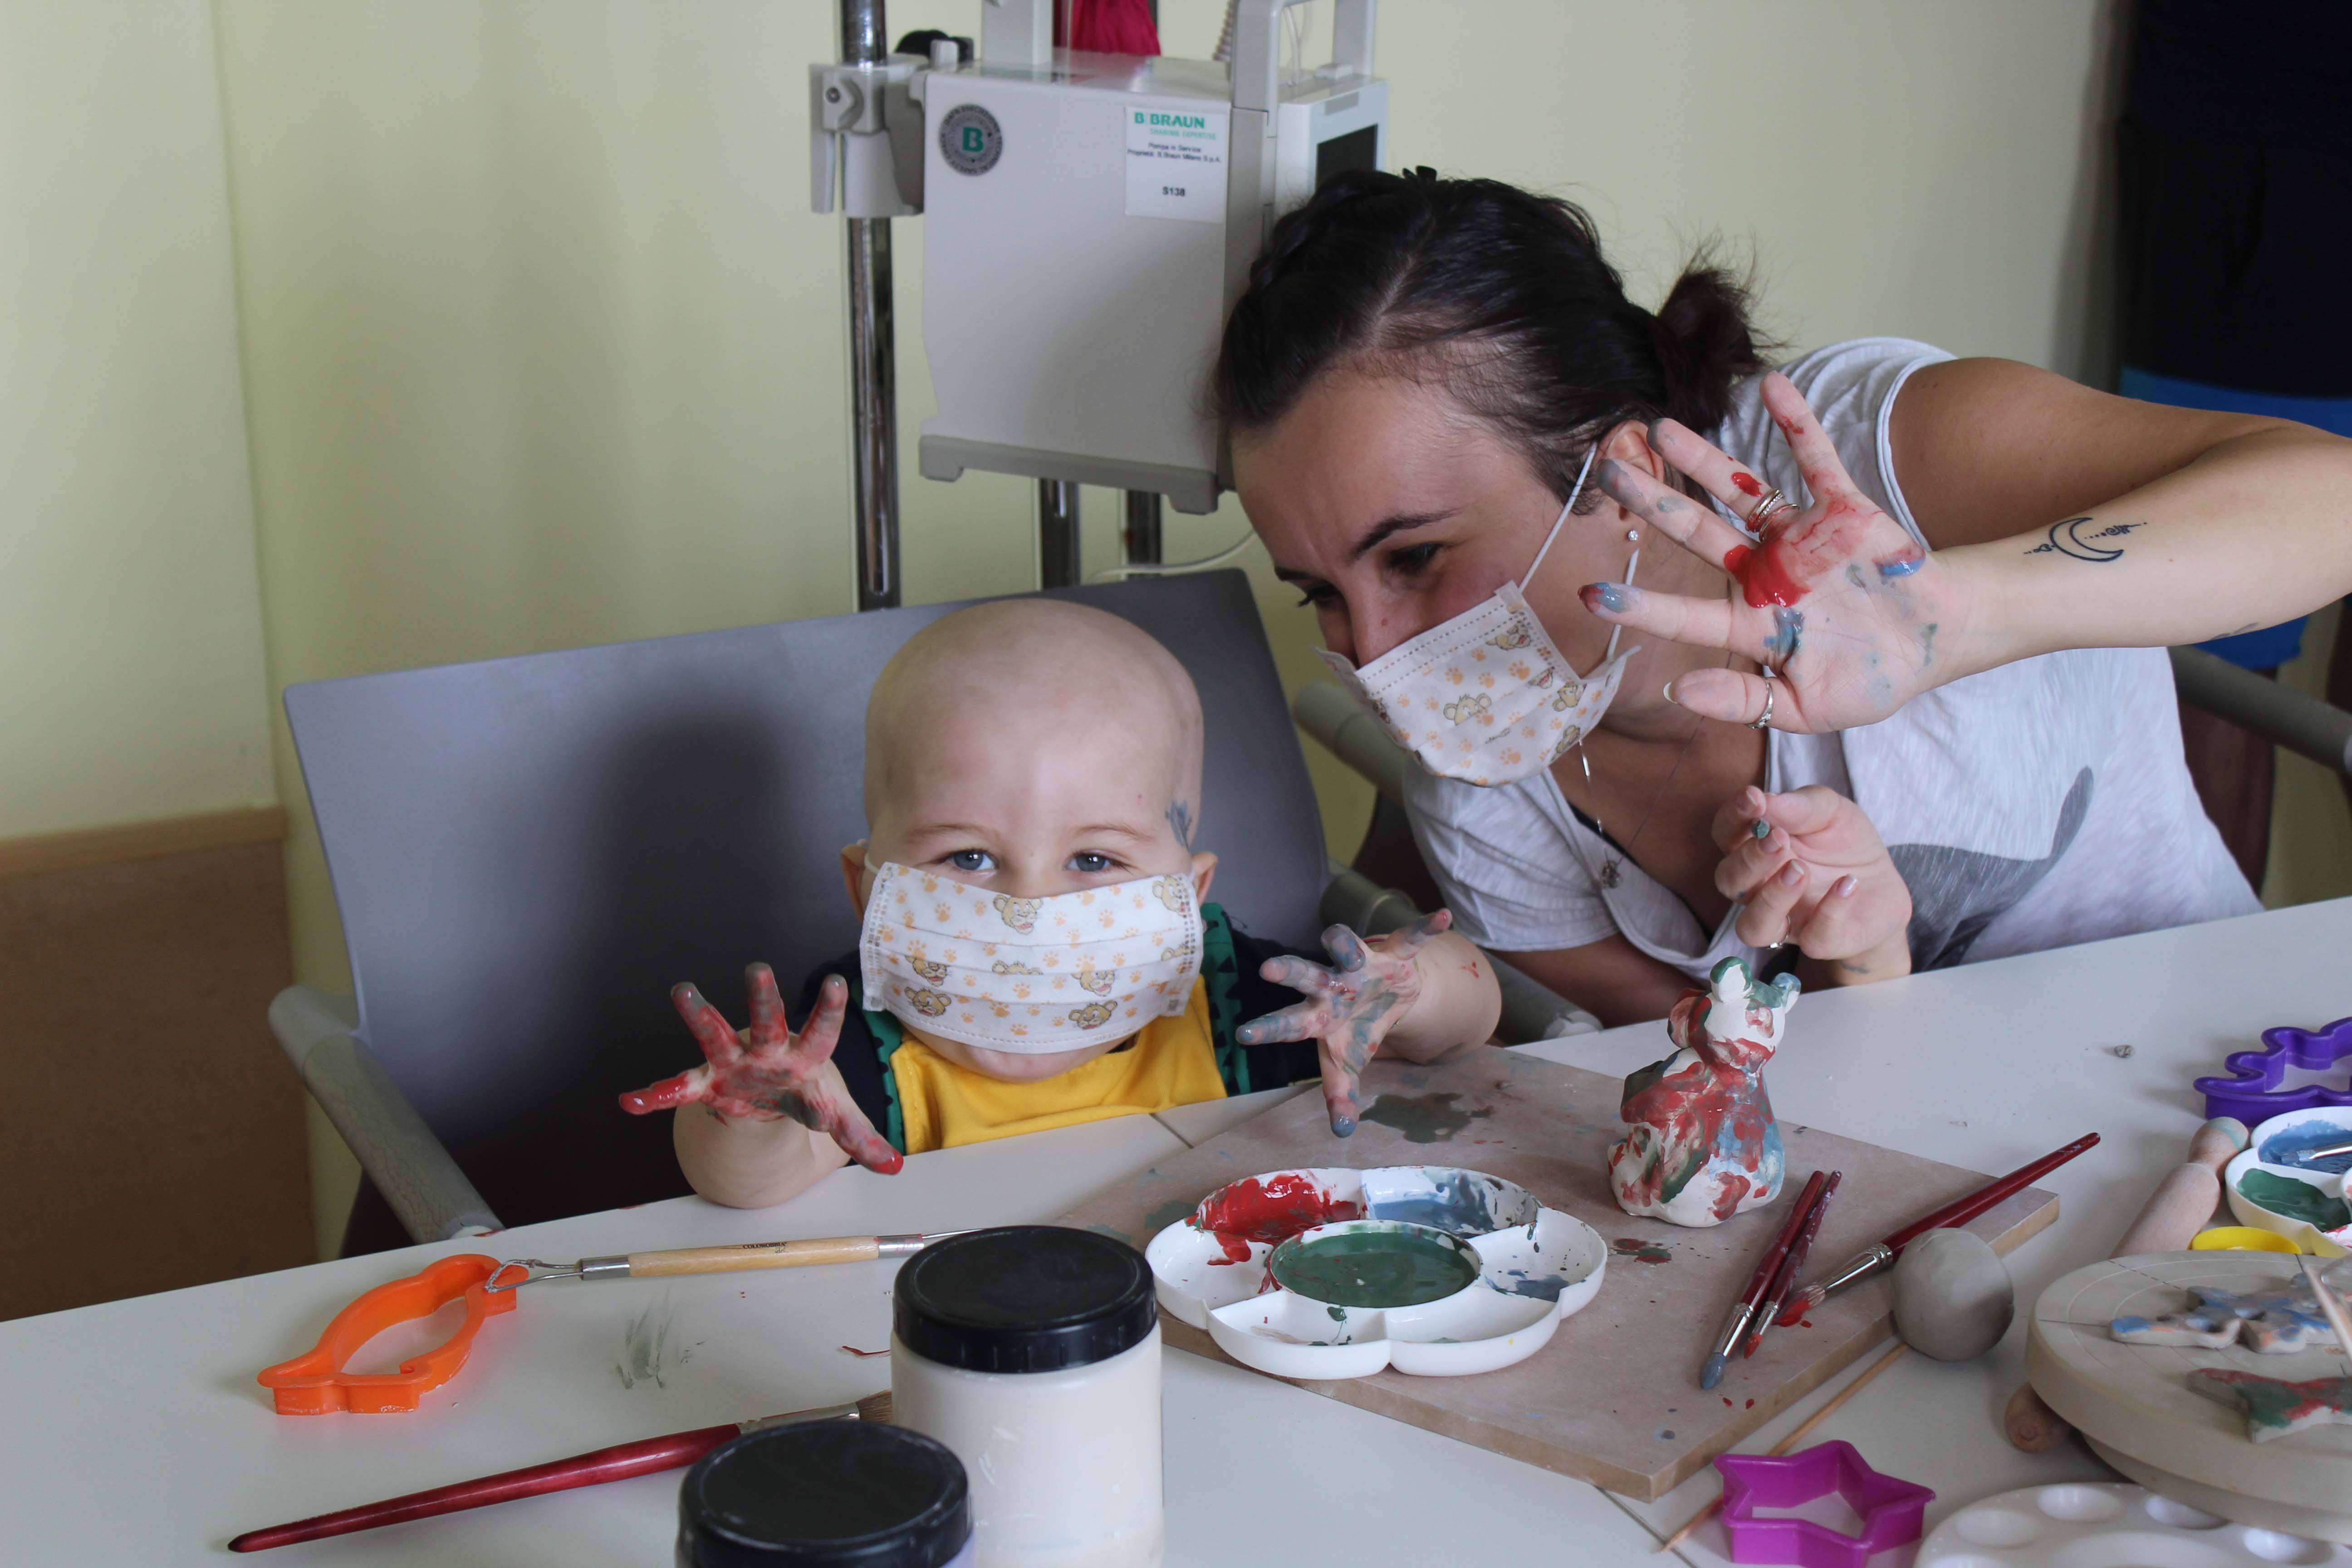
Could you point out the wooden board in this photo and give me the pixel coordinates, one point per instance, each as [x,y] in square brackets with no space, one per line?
[1614,1398]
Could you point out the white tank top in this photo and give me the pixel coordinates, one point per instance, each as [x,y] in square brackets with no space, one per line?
[2034,806]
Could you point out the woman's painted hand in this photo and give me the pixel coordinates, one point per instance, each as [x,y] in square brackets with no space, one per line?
[767,1072]
[1817,876]
[1853,617]
[1350,1007]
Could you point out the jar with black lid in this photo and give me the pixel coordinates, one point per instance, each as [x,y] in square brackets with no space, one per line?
[1032,1352]
[827,1494]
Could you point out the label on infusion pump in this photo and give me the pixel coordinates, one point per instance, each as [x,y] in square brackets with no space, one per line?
[1176,164]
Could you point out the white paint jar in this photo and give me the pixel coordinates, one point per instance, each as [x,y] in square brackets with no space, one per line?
[1032,1353]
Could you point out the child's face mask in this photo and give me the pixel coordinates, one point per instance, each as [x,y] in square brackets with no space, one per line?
[1028,975]
[1485,696]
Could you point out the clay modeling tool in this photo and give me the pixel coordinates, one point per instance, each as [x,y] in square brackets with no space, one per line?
[1785,1278]
[1804,1429]
[1881,1255]
[2183,1201]
[721,1259]
[315,1383]
[616,1463]
[1743,1311]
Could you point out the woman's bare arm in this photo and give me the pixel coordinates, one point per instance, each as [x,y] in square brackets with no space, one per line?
[2222,523]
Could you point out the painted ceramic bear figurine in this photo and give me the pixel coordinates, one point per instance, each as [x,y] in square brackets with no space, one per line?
[1704,1145]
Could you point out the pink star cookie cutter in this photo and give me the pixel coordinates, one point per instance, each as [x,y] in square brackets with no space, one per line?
[1893,1512]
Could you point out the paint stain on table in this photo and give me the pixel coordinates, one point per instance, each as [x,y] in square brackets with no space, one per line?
[1634,1249]
[645,1348]
[1426,1117]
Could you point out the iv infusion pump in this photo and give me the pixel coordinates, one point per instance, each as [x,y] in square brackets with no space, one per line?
[1088,221]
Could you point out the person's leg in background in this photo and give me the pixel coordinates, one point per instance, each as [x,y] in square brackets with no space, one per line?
[2235,158]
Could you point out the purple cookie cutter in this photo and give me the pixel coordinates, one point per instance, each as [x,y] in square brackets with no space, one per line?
[2252,1093]
[1893,1512]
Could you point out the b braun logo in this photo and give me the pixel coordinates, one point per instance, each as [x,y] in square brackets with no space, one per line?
[970,139]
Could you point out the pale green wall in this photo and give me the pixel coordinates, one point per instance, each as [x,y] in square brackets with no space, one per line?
[543,347]
[131,652]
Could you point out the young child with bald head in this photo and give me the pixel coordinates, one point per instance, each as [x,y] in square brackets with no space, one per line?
[1037,948]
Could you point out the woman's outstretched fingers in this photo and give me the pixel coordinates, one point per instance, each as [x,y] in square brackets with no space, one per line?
[1730,695]
[1673,514]
[1733,483]
[1765,920]
[1702,623]
[1816,455]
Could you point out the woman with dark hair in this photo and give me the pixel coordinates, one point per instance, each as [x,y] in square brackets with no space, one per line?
[1699,658]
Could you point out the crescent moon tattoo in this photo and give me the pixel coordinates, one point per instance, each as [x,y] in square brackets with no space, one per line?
[2066,539]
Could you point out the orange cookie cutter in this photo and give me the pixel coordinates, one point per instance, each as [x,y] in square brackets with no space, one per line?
[314,1384]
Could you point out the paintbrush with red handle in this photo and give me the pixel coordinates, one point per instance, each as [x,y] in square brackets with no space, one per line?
[1881,1255]
[616,1463]
[1791,1267]
[1743,1311]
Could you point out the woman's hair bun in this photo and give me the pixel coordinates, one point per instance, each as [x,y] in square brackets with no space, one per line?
[1502,293]
[1705,341]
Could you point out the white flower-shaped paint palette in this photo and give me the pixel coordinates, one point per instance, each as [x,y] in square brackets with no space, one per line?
[1329,1273]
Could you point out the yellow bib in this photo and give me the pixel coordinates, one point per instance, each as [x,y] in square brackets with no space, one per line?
[1173,1061]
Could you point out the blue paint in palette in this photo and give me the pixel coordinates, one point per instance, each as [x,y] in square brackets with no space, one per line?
[2293,1147]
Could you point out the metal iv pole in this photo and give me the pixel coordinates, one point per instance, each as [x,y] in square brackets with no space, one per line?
[873,347]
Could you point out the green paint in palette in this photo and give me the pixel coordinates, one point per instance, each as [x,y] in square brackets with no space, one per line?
[1375,1264]
[2296,1200]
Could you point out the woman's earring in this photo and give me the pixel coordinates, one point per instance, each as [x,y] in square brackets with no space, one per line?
[1633,535]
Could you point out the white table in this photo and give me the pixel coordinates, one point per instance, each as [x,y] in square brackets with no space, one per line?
[132,1433]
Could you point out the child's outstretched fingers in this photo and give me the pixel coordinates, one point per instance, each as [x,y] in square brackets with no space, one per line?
[667,1095]
[1350,1007]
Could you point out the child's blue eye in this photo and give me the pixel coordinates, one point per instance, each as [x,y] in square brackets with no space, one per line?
[973,860]
[1088,861]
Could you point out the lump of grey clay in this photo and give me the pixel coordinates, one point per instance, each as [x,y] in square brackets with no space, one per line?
[1953,1298]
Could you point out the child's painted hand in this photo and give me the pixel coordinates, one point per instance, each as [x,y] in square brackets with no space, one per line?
[1819,877]
[1349,1010]
[768,1074]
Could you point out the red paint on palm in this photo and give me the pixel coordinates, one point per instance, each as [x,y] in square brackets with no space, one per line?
[618,1462]
[1783,566]
[1745,484]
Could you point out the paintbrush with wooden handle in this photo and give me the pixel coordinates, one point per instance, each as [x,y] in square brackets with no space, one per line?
[718,1260]
[616,1463]
[2171,1218]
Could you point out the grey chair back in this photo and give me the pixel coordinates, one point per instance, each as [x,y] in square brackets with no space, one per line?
[528,853]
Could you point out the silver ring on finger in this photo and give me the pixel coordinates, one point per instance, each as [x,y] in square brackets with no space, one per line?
[1764,721]
[1772,501]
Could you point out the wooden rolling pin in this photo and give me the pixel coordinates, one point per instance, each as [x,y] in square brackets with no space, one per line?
[2174,1214]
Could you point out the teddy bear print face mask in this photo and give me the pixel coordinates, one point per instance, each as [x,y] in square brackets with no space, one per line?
[1028,975]
[1485,696]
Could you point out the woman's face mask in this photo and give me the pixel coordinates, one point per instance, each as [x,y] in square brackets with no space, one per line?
[1485,696]
[1031,977]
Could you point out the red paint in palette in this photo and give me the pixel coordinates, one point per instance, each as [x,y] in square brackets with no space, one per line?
[1269,1209]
